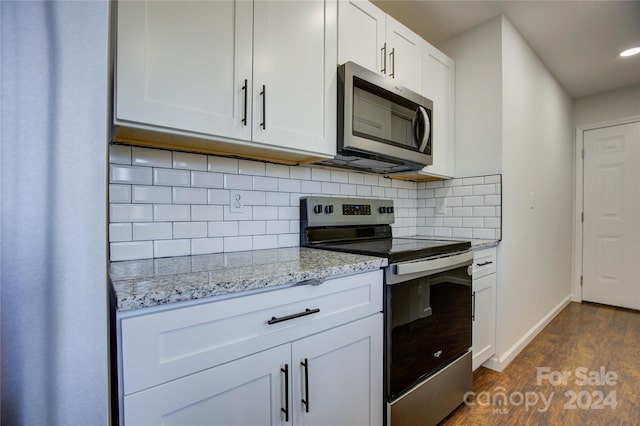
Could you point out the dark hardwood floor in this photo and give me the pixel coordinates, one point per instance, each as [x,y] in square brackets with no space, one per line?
[599,346]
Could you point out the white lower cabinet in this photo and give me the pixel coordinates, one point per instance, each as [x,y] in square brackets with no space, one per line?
[484,306]
[242,361]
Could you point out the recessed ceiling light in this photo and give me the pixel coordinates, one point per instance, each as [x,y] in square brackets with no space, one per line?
[631,52]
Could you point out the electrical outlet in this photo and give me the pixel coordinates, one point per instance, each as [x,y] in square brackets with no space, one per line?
[441,205]
[236,202]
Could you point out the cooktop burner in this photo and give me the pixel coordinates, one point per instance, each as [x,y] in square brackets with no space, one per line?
[398,249]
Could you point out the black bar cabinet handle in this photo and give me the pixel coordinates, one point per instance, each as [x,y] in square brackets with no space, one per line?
[285,410]
[306,312]
[264,107]
[473,307]
[393,63]
[488,262]
[383,51]
[244,89]
[305,401]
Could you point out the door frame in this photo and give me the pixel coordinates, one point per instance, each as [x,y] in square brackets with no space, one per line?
[578,206]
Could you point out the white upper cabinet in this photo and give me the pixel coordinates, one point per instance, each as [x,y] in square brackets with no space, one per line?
[369,37]
[198,69]
[438,77]
[182,65]
[404,55]
[361,34]
[294,74]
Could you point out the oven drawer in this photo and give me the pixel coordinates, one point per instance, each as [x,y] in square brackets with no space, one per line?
[162,346]
[484,262]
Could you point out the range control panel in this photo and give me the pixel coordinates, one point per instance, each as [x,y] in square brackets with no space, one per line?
[337,211]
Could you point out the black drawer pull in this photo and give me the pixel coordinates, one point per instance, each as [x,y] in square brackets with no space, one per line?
[488,262]
[307,311]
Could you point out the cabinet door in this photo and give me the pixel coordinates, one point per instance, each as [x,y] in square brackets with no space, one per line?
[404,55]
[183,65]
[248,391]
[438,74]
[341,379]
[294,75]
[361,34]
[483,346]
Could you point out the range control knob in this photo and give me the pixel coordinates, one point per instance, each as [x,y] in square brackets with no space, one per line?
[328,209]
[390,209]
[317,208]
[382,209]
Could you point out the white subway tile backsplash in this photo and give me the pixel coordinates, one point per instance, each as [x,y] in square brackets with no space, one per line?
[321,175]
[190,196]
[288,185]
[348,190]
[152,231]
[206,245]
[238,182]
[254,168]
[301,173]
[339,176]
[288,240]
[168,248]
[276,199]
[277,170]
[130,174]
[119,193]
[473,222]
[130,213]
[484,211]
[171,212]
[189,161]
[265,183]
[170,177]
[218,196]
[252,227]
[222,164]
[119,232]
[277,226]
[261,242]
[120,154]
[288,213]
[151,194]
[245,213]
[483,233]
[150,157]
[265,213]
[207,179]
[163,196]
[131,250]
[222,229]
[207,213]
[189,229]
[238,243]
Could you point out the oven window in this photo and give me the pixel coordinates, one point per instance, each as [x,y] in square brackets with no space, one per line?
[428,326]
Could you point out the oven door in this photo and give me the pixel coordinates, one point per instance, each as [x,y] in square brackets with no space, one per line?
[427,319]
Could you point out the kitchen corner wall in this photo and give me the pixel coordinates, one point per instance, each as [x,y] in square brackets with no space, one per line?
[168,203]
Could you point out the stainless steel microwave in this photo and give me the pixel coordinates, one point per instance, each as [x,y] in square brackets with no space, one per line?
[382,127]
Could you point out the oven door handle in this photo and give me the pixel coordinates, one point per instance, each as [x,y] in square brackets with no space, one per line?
[434,264]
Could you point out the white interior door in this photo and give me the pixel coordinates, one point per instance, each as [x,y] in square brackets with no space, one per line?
[612,216]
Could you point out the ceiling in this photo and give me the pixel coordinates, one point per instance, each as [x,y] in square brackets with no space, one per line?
[579,41]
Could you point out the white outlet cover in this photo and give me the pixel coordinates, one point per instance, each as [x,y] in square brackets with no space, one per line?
[441,205]
[236,203]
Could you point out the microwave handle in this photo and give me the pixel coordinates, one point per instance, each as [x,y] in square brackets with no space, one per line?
[422,113]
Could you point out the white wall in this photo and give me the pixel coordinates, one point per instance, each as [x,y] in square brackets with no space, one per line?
[535,256]
[607,106]
[478,103]
[53,166]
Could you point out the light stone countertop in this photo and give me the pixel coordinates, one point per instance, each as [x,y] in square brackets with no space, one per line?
[152,282]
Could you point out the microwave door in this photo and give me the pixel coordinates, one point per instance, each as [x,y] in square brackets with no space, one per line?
[423,131]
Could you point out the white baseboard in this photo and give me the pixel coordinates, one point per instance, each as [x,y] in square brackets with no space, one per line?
[499,363]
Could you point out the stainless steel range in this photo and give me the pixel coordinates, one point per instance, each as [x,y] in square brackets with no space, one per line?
[427,307]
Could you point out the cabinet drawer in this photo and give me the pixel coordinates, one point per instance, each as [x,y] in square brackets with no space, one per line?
[163,346]
[484,262]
